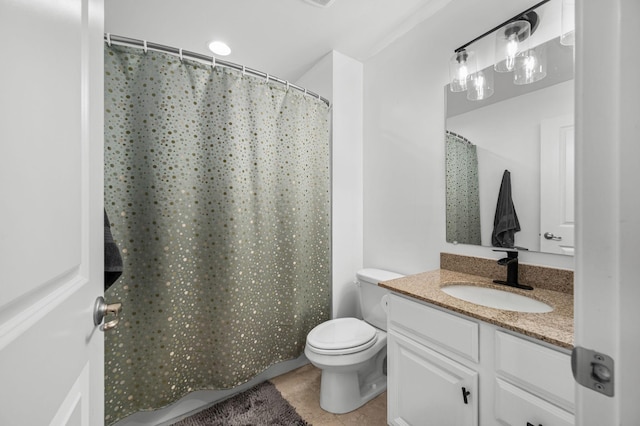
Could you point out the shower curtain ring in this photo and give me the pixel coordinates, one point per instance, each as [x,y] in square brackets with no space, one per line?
[144,42]
[244,71]
[213,62]
[181,58]
[267,79]
[109,39]
[287,85]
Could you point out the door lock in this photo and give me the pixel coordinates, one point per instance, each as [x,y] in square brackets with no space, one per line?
[101,310]
[593,370]
[550,236]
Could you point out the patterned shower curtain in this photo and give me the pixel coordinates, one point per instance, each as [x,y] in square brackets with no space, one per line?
[463,199]
[217,186]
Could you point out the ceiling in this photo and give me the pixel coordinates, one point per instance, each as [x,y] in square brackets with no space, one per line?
[281,37]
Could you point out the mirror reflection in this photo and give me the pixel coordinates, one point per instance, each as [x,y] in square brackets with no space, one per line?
[520,138]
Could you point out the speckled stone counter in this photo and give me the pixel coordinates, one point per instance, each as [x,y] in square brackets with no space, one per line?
[555,327]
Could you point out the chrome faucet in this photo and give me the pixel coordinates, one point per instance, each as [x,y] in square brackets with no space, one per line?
[511,262]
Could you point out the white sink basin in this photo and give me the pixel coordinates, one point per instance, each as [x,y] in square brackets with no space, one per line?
[498,299]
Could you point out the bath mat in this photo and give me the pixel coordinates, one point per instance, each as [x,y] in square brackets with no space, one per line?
[260,405]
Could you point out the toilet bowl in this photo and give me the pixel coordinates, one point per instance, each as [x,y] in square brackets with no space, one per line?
[351,352]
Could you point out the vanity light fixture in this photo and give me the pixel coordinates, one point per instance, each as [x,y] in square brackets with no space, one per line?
[512,54]
[461,67]
[511,41]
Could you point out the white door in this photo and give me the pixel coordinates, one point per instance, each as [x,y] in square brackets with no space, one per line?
[607,290]
[557,165]
[51,133]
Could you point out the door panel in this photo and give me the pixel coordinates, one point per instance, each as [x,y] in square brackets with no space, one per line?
[51,354]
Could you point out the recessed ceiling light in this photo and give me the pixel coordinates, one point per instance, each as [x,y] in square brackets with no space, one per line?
[219,48]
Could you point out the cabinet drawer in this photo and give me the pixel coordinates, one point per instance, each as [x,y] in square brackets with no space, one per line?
[515,406]
[451,332]
[544,371]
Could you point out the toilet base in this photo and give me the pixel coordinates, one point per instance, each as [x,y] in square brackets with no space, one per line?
[350,381]
[341,392]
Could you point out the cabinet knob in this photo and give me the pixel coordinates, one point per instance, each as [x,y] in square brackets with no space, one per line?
[465,394]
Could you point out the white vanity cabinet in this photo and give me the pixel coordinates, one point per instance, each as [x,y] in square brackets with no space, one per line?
[425,386]
[445,369]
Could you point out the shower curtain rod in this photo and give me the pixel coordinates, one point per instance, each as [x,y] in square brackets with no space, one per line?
[449,132]
[110,38]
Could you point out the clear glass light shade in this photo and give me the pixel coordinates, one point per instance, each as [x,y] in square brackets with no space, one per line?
[480,85]
[461,66]
[568,23]
[511,40]
[531,66]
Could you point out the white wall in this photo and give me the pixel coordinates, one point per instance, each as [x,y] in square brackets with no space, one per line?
[339,78]
[404,176]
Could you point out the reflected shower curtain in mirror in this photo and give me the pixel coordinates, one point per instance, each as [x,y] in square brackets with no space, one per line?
[218,188]
[463,199]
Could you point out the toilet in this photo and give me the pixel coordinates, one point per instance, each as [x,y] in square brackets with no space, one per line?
[352,353]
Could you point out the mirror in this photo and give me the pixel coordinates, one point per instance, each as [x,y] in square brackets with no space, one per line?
[528,131]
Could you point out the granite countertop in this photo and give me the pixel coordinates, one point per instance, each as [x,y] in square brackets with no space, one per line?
[554,327]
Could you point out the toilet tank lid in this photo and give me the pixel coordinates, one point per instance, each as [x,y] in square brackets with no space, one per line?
[375,276]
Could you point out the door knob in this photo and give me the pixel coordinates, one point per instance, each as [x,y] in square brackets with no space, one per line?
[101,310]
[550,236]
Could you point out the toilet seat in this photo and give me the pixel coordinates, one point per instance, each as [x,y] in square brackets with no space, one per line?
[341,336]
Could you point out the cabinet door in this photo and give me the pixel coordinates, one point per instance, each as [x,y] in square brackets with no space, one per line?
[515,406]
[426,388]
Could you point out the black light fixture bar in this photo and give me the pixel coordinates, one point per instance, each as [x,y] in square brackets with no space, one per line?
[515,18]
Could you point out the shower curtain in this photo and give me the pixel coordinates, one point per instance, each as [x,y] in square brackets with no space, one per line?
[463,199]
[217,186]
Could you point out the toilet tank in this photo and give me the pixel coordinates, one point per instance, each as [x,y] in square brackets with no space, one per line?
[372,305]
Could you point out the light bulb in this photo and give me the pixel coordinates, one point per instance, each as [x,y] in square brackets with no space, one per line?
[512,51]
[463,73]
[479,84]
[511,41]
[529,66]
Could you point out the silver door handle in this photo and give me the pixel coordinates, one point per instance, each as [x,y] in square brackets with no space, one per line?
[101,309]
[550,236]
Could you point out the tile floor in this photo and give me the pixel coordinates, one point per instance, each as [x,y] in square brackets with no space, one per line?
[301,387]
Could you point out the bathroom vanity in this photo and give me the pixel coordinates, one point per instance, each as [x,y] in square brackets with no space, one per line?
[452,362]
